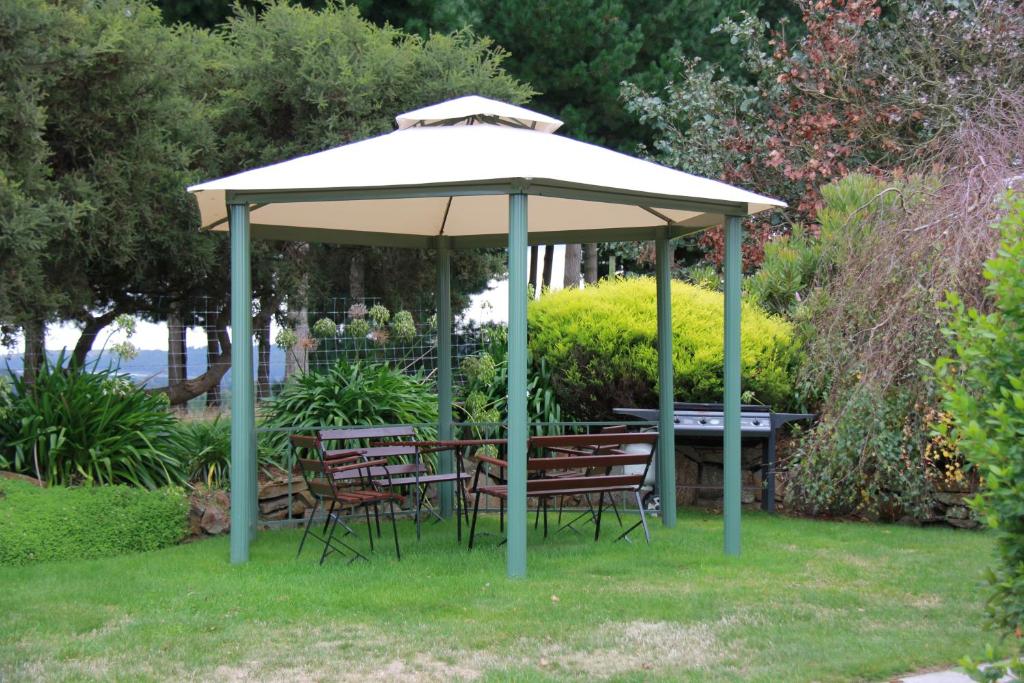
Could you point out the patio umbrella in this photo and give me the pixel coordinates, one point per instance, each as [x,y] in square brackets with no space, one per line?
[466,173]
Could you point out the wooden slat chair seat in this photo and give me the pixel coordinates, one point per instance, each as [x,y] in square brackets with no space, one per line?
[412,475]
[338,480]
[590,473]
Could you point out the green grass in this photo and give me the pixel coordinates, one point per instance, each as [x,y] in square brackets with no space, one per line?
[807,601]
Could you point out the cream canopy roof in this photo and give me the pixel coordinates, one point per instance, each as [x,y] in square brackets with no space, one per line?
[446,172]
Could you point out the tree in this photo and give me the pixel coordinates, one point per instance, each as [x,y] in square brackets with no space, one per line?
[860,89]
[121,133]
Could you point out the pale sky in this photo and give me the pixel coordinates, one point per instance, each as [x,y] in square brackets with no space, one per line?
[488,306]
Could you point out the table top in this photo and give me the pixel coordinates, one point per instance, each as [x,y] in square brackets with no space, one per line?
[449,443]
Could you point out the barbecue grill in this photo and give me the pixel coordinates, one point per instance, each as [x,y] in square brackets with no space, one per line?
[702,424]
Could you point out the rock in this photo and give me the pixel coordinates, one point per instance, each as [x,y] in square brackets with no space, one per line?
[958,512]
[14,476]
[949,498]
[215,520]
[274,489]
[964,523]
[746,496]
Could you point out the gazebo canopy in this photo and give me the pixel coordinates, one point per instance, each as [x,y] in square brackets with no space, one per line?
[473,172]
[446,172]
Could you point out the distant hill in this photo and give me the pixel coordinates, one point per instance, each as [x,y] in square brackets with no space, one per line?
[150,366]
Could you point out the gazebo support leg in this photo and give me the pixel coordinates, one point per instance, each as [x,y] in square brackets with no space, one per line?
[732,474]
[243,416]
[444,368]
[666,459]
[517,418]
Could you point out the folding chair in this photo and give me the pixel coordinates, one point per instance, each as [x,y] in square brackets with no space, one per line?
[331,482]
[414,474]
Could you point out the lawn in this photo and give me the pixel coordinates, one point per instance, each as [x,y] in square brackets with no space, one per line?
[807,601]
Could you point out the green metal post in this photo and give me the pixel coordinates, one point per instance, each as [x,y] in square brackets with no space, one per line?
[666,461]
[733,274]
[243,414]
[444,366]
[517,419]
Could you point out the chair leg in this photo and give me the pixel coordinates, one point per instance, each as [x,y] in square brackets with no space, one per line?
[643,517]
[465,501]
[615,508]
[501,515]
[394,529]
[369,525]
[597,522]
[333,521]
[327,519]
[309,523]
[376,518]
[544,502]
[472,526]
[536,517]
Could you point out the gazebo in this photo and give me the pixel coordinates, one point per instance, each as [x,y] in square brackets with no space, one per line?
[470,173]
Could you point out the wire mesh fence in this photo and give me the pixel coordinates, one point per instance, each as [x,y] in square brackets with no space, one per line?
[285,342]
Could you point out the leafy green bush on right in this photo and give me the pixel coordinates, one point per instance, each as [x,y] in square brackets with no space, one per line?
[982,380]
[601,346]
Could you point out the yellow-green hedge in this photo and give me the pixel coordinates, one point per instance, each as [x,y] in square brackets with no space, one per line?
[601,344]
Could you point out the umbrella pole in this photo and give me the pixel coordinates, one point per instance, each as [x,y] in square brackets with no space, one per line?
[517,418]
[444,367]
[733,266]
[243,414]
[665,471]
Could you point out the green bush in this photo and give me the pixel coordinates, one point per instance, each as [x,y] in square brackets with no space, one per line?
[74,426]
[983,384]
[205,448]
[601,346]
[351,394]
[92,521]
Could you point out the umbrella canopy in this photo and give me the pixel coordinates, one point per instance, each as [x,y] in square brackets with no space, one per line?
[447,171]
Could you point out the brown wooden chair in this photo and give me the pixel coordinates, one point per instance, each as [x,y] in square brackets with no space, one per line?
[404,467]
[340,480]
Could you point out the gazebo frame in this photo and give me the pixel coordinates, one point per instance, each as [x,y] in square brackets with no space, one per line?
[698,204]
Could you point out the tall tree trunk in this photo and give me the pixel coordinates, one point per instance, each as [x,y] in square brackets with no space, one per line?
[590,263]
[213,394]
[92,328]
[573,256]
[357,276]
[549,262]
[263,355]
[35,349]
[534,257]
[177,364]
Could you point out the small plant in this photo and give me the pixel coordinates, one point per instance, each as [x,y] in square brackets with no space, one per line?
[479,368]
[286,339]
[358,328]
[379,315]
[357,311]
[403,327]
[324,328]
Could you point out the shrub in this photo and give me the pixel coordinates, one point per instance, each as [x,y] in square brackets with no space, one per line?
[983,384]
[204,446]
[93,521]
[601,346]
[352,394]
[483,397]
[72,426]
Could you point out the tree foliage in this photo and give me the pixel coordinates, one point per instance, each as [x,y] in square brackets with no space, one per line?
[982,381]
[861,89]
